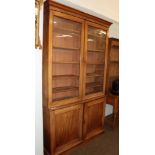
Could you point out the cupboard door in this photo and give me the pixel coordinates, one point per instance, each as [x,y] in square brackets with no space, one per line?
[67,48]
[93,118]
[66,127]
[95,56]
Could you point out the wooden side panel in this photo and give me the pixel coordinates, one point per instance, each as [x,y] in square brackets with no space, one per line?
[47,34]
[67,128]
[46,113]
[93,118]
[45,57]
[46,132]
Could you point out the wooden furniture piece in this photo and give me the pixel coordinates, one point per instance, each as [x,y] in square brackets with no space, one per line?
[112,74]
[114,101]
[75,46]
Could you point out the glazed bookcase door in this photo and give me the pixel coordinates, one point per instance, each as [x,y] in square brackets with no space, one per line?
[95,53]
[66,58]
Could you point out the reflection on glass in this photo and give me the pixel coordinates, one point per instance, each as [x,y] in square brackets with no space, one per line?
[95,60]
[66,59]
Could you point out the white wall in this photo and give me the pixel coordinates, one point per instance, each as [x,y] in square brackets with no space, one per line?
[114,31]
[38,100]
[38,105]
[104,9]
[108,109]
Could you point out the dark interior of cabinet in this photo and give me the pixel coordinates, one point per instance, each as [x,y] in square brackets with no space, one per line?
[113,67]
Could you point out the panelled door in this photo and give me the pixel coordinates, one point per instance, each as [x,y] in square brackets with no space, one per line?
[94,60]
[93,118]
[67,127]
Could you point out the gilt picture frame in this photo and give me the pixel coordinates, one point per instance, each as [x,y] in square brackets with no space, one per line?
[38,4]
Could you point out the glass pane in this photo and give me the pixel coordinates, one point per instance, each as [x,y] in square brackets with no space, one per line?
[95,60]
[66,59]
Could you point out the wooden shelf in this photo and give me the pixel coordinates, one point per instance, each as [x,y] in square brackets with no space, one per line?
[94,75]
[95,50]
[114,61]
[94,91]
[114,77]
[65,76]
[66,29]
[66,62]
[63,89]
[94,84]
[94,63]
[66,48]
[99,69]
[115,47]
[62,98]
[115,44]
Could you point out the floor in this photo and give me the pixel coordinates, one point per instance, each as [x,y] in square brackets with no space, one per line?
[104,144]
